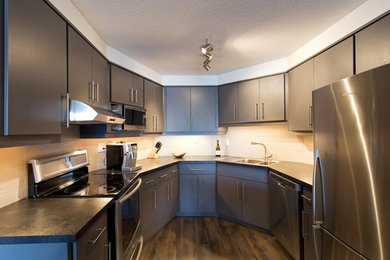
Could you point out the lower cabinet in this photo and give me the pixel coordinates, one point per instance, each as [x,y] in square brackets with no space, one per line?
[197,189]
[158,199]
[242,194]
[307,222]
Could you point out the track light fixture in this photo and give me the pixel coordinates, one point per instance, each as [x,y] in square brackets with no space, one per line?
[206,51]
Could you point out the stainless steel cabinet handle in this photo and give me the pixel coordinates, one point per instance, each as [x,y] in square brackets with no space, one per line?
[98,236]
[171,189]
[155,199]
[311,116]
[262,110]
[109,250]
[164,175]
[256,111]
[136,95]
[281,185]
[196,169]
[238,190]
[97,92]
[67,110]
[150,181]
[243,192]
[131,95]
[168,193]
[90,91]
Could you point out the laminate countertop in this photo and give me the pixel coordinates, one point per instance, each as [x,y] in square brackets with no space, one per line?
[301,173]
[49,220]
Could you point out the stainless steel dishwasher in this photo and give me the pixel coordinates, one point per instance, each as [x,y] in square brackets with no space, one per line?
[285,212]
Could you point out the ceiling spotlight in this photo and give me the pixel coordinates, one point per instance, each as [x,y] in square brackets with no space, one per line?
[206,52]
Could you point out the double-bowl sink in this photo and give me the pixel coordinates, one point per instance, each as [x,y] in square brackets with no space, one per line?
[255,161]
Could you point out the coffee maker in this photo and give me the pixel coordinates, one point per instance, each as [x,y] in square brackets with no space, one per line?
[122,156]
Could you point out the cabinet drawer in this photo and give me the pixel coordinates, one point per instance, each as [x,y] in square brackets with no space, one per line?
[93,243]
[197,168]
[149,180]
[243,172]
[167,173]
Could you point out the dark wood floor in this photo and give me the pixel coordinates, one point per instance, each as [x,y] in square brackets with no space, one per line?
[206,238]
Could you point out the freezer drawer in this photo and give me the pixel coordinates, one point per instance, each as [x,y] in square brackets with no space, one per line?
[285,217]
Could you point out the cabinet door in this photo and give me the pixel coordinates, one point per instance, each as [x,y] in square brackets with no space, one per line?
[100,78]
[299,93]
[121,91]
[255,205]
[206,194]
[150,106]
[227,103]
[373,45]
[307,234]
[163,212]
[229,197]
[334,64]
[204,105]
[137,86]
[174,196]
[148,200]
[159,101]
[178,109]
[36,69]
[188,193]
[272,99]
[79,67]
[248,97]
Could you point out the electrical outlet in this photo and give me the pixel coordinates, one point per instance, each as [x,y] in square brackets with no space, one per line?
[101,148]
[227,142]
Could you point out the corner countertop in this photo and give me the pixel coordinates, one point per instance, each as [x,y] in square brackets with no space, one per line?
[49,220]
[298,172]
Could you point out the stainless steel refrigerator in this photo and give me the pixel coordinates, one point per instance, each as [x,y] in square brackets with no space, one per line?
[351,195]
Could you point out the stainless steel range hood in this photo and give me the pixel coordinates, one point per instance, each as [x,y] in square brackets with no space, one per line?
[81,113]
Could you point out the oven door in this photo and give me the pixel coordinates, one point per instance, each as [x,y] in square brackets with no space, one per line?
[127,225]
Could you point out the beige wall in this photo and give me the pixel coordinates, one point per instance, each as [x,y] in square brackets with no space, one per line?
[13,162]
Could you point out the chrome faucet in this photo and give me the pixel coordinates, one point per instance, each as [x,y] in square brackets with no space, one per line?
[266,155]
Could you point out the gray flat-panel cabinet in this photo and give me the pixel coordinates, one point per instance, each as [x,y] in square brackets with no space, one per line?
[334,64]
[229,197]
[87,72]
[272,99]
[373,45]
[126,87]
[248,97]
[188,193]
[227,103]
[163,202]
[178,109]
[299,97]
[206,193]
[191,109]
[154,106]
[147,211]
[36,69]
[255,204]
[242,194]
[204,107]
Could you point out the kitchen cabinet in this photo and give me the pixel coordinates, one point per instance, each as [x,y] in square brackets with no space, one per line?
[191,109]
[334,64]
[126,87]
[242,194]
[227,103]
[35,86]
[257,100]
[197,189]
[158,200]
[373,45]
[154,105]
[299,97]
[307,222]
[87,72]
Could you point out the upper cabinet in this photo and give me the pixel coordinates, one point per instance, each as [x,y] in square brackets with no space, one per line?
[154,105]
[373,45]
[191,109]
[334,64]
[88,72]
[126,87]
[331,65]
[36,69]
[255,100]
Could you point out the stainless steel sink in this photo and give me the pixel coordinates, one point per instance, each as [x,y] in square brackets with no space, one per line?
[255,161]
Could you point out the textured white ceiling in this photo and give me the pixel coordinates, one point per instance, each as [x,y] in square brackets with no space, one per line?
[165,35]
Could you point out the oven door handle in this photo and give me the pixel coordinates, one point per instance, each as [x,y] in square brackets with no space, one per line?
[128,194]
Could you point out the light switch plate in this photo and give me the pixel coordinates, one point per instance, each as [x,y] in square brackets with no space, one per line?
[101,148]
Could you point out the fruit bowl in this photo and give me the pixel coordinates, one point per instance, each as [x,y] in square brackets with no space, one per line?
[178,155]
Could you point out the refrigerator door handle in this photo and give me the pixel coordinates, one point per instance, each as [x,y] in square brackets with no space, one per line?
[318,191]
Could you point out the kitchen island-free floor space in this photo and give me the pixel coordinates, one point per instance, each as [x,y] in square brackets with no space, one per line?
[207,238]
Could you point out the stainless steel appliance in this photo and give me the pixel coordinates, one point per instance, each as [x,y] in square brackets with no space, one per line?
[81,113]
[122,156]
[351,176]
[285,213]
[67,175]
[134,118]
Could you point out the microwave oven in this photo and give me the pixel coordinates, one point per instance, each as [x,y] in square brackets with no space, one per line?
[134,118]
